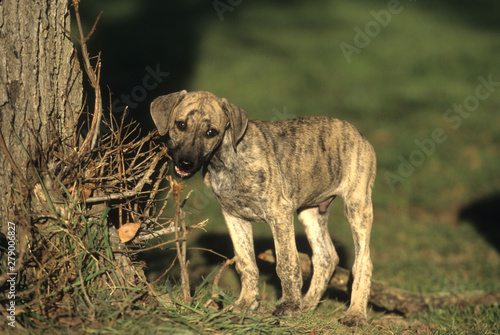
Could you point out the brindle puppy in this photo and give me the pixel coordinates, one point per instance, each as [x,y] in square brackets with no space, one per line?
[264,171]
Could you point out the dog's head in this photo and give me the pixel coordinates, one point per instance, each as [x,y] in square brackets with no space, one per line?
[196,123]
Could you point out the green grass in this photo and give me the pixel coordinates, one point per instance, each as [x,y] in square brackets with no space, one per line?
[279,60]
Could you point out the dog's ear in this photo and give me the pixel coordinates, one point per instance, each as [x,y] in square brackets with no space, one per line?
[238,120]
[162,108]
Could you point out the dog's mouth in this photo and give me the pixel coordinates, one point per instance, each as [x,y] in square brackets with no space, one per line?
[181,173]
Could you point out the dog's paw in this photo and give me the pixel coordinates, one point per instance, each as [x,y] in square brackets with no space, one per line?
[243,306]
[309,304]
[288,308]
[353,319]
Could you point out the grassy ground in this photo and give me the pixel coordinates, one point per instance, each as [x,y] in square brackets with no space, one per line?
[436,204]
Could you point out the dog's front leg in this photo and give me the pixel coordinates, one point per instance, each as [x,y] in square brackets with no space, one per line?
[241,234]
[287,266]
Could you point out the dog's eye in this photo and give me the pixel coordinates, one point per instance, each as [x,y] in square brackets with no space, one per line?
[212,133]
[181,125]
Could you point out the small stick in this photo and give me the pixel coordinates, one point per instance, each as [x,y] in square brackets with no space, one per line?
[180,226]
[217,277]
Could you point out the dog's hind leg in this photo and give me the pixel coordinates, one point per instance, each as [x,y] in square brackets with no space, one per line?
[359,214]
[242,237]
[324,257]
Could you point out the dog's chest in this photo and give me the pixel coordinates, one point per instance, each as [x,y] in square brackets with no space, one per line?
[237,197]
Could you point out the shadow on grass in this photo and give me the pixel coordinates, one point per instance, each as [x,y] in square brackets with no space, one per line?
[481,13]
[484,214]
[221,243]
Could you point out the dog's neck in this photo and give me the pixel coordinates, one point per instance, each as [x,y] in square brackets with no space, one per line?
[218,172]
[224,157]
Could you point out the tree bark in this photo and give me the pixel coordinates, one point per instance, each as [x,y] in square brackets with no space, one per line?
[40,91]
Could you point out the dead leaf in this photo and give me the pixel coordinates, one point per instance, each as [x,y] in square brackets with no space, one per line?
[85,190]
[128,231]
[267,256]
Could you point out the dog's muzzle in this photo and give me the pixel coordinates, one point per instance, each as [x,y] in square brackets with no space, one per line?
[185,168]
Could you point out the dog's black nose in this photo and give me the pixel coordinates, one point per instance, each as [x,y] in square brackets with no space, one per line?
[186,164]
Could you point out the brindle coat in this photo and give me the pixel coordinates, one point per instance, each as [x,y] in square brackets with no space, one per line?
[265,171]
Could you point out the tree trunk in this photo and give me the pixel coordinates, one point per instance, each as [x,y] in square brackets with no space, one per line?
[56,186]
[40,91]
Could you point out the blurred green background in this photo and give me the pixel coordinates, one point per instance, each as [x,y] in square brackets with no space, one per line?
[420,79]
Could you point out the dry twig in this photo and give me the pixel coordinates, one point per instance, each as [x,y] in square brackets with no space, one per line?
[94,77]
[180,237]
[217,277]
